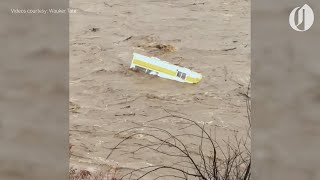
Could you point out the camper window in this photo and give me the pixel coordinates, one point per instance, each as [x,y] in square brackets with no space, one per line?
[138,68]
[183,76]
[179,74]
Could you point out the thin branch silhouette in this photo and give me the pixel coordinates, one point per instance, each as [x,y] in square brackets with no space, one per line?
[234,164]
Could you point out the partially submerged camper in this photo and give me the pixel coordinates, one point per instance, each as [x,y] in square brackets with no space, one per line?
[155,66]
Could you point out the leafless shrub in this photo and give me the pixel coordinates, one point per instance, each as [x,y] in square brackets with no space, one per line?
[210,161]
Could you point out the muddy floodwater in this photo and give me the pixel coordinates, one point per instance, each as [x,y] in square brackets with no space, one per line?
[209,37]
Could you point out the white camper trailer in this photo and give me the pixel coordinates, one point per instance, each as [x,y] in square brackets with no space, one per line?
[155,66]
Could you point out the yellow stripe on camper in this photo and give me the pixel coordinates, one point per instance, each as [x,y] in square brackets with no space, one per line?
[154,67]
[192,80]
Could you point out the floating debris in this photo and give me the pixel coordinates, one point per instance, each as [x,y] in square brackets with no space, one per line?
[229,49]
[74,108]
[94,29]
[157,67]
